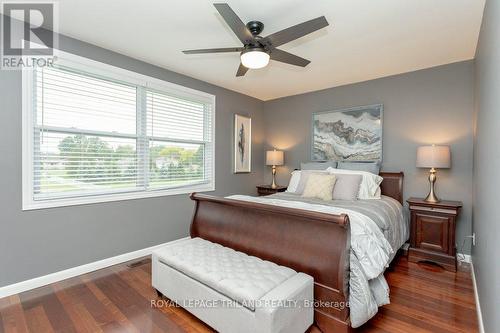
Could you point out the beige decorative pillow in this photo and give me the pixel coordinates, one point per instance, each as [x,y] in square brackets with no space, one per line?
[304,176]
[319,186]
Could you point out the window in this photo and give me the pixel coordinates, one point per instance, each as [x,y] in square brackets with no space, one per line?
[96,133]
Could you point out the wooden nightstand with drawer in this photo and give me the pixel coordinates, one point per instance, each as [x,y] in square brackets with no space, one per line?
[432,236]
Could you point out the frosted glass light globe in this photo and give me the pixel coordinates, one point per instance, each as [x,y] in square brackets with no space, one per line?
[254,59]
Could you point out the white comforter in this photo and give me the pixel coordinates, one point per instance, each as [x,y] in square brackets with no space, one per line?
[372,249]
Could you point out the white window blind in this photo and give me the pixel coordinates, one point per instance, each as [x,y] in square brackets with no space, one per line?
[179,133]
[98,137]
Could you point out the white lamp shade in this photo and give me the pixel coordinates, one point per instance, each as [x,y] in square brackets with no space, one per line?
[433,157]
[274,157]
[254,59]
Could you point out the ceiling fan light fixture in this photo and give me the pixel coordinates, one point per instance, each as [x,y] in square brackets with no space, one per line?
[257,50]
[254,58]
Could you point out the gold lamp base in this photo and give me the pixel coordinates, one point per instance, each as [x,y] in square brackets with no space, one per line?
[431,197]
[273,184]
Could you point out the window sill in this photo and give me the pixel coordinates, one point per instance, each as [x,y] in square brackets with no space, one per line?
[63,202]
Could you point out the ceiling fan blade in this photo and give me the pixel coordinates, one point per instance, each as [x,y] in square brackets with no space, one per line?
[219,50]
[292,59]
[297,31]
[242,70]
[234,22]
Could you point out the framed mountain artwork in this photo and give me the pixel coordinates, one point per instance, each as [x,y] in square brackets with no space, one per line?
[353,134]
[242,144]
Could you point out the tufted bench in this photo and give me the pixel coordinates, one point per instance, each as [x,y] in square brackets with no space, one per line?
[231,291]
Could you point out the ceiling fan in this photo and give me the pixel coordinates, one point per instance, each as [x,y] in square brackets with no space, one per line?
[257,50]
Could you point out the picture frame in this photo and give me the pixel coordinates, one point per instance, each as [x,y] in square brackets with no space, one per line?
[242,144]
[351,134]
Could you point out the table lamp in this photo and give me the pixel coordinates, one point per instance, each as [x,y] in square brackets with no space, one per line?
[433,157]
[274,158]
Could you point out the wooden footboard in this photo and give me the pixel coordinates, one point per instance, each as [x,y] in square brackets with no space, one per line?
[314,243]
[310,242]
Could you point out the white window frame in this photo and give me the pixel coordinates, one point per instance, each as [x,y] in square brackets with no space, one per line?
[119,74]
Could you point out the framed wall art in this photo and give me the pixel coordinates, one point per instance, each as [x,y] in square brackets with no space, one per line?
[242,144]
[353,134]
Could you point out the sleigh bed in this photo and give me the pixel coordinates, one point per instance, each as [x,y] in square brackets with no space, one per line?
[312,242]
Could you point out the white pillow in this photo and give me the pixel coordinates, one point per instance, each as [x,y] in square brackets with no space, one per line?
[294,181]
[370,185]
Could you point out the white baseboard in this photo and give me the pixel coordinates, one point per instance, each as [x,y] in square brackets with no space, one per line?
[75,271]
[476,297]
[468,259]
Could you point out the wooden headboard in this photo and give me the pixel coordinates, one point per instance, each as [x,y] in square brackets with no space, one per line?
[392,185]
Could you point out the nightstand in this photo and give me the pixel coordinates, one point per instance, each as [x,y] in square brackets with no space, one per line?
[432,236]
[267,190]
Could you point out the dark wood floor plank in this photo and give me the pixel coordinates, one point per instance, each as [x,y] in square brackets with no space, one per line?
[436,280]
[53,309]
[371,328]
[81,317]
[430,306]
[1,324]
[118,299]
[13,315]
[419,287]
[109,316]
[140,280]
[414,316]
[394,325]
[37,319]
[134,306]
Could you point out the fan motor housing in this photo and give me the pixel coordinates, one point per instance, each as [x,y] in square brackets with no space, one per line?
[255,47]
[255,27]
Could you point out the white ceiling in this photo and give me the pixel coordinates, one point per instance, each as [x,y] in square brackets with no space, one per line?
[366,39]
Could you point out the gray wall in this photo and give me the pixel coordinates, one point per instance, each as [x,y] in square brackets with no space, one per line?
[433,105]
[35,243]
[429,106]
[486,222]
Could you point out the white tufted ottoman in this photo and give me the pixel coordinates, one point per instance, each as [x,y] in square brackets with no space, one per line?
[231,291]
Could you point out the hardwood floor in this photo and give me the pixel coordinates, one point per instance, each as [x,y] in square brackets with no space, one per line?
[424,298]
